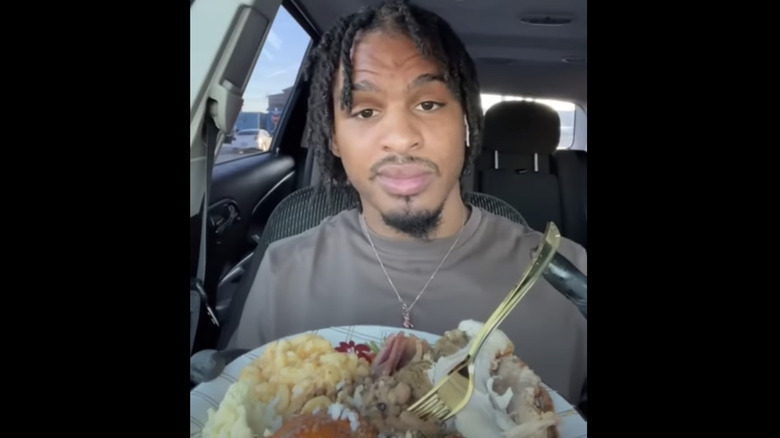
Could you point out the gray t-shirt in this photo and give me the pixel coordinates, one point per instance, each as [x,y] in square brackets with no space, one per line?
[329,276]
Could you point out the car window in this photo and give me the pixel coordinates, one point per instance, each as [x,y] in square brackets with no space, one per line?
[566,111]
[268,91]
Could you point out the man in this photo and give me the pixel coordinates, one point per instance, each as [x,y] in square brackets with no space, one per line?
[395,112]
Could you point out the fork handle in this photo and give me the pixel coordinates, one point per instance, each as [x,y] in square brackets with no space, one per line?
[569,281]
[550,243]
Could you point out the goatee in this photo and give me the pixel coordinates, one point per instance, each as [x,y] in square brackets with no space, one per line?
[418,224]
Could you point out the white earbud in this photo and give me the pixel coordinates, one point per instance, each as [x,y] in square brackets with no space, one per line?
[467,130]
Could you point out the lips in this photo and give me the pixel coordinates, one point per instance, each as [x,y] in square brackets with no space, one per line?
[405,180]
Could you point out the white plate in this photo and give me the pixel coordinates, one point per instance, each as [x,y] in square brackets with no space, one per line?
[208,395]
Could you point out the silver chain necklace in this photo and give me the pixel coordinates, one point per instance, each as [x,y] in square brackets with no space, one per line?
[406,310]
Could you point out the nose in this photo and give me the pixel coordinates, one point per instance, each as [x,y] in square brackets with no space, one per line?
[401,132]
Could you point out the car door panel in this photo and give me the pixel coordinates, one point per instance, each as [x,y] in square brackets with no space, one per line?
[223,215]
[246,183]
[238,187]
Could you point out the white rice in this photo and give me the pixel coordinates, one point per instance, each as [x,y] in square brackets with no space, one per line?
[337,411]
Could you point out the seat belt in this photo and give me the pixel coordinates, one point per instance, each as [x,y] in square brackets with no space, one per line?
[198,297]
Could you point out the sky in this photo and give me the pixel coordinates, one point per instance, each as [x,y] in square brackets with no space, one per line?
[282,56]
[279,62]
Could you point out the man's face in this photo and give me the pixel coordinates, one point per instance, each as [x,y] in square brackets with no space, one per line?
[402,144]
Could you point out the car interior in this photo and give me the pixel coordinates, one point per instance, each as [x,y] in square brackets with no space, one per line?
[246,59]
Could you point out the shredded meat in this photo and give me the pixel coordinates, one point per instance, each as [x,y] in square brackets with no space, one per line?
[450,343]
[530,402]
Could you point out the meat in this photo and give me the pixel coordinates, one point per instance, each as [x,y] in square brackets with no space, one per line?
[450,343]
[416,376]
[530,406]
[387,356]
[398,351]
[509,398]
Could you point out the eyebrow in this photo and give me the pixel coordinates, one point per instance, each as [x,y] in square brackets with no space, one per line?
[419,81]
[365,86]
[427,78]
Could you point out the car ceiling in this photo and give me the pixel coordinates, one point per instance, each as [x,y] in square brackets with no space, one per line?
[512,56]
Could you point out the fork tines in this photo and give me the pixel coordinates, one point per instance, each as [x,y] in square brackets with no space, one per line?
[433,406]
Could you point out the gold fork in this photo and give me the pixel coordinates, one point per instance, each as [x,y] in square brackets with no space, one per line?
[453,392]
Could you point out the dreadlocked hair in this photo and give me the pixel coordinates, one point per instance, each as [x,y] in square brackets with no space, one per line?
[434,39]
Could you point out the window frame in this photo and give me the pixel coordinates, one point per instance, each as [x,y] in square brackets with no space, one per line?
[295,13]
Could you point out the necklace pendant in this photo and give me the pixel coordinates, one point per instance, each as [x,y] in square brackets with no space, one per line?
[407,321]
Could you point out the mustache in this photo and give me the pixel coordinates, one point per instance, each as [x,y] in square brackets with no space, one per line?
[402,159]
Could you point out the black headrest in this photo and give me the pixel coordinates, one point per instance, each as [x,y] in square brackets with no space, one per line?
[522,127]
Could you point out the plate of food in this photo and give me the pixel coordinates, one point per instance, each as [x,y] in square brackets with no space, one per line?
[357,381]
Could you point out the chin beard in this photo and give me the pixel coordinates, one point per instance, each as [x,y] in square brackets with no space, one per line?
[417,224]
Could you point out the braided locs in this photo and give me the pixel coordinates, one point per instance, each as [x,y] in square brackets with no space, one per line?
[434,39]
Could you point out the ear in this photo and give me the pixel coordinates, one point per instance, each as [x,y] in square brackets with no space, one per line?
[334,148]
